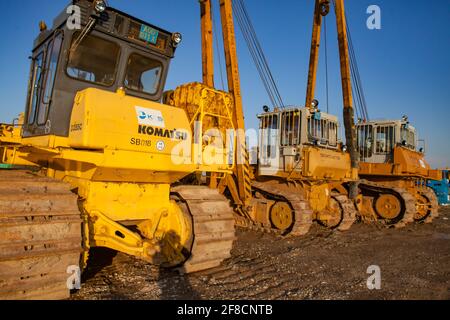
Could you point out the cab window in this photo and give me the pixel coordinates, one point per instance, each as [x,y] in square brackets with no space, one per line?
[323,130]
[408,137]
[333,133]
[51,64]
[35,86]
[268,135]
[93,60]
[365,141]
[384,140]
[290,128]
[143,74]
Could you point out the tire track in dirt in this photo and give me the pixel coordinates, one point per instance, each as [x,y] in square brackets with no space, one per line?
[414,260]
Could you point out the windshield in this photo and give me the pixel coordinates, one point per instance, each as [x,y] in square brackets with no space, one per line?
[143,74]
[290,134]
[384,139]
[365,141]
[94,60]
[322,130]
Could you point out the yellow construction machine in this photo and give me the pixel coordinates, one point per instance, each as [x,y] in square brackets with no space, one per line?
[112,166]
[303,172]
[394,174]
[299,150]
[109,159]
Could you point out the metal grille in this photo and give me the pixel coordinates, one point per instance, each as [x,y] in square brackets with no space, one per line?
[268,135]
[384,139]
[365,141]
[290,128]
[322,131]
[408,137]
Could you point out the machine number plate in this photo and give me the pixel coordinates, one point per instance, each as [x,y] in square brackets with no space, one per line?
[149,34]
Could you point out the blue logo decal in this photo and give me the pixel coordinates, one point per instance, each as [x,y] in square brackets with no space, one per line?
[143,115]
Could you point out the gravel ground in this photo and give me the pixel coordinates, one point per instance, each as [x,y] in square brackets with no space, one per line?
[414,263]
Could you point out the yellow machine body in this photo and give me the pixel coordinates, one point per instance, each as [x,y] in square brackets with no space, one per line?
[327,164]
[390,160]
[405,163]
[300,148]
[122,155]
[303,172]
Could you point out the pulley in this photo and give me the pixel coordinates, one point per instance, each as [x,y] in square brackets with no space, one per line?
[324,8]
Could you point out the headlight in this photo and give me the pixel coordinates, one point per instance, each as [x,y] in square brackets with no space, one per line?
[176,39]
[315,104]
[100,6]
[344,148]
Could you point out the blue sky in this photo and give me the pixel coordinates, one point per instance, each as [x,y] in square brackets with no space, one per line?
[405,66]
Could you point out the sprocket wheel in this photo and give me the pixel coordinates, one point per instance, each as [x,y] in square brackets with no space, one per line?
[388,206]
[281,215]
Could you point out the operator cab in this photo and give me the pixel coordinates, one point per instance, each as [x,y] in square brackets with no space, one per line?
[377,139]
[284,133]
[109,50]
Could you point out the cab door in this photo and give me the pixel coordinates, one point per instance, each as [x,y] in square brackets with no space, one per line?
[42,80]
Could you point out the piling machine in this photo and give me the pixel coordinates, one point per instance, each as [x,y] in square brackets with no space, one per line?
[108,158]
[298,149]
[394,174]
[302,167]
[300,153]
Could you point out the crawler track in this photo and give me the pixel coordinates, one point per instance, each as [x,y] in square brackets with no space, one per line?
[40,236]
[303,215]
[434,204]
[349,211]
[213,223]
[408,203]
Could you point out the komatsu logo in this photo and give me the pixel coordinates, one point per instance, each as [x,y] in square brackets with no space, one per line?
[163,133]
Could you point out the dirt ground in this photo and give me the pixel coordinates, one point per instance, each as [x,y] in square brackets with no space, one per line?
[414,263]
